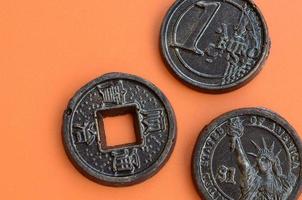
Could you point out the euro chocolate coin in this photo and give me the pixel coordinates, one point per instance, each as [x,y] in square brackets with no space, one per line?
[214,46]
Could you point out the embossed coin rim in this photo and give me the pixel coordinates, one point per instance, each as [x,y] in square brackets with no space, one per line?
[127,180]
[197,84]
[205,132]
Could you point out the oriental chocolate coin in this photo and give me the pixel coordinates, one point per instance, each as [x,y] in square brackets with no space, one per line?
[214,46]
[248,154]
[84,137]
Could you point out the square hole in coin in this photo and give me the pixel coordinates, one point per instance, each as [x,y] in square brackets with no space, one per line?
[118,127]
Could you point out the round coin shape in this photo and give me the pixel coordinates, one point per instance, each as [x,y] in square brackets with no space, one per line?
[250,153]
[214,46]
[111,95]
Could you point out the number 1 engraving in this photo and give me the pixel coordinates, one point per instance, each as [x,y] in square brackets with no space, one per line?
[209,11]
[226,174]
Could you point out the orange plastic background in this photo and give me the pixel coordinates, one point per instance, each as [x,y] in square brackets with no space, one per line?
[50,48]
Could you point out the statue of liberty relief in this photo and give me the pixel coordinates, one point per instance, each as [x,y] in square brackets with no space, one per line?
[263,180]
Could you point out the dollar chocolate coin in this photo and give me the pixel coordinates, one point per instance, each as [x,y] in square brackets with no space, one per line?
[215,46]
[250,153]
[84,137]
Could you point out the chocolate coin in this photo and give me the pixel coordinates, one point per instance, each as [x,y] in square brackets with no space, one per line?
[215,46]
[84,137]
[250,153]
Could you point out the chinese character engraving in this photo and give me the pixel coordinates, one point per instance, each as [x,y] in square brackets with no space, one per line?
[113,93]
[153,121]
[126,161]
[85,133]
